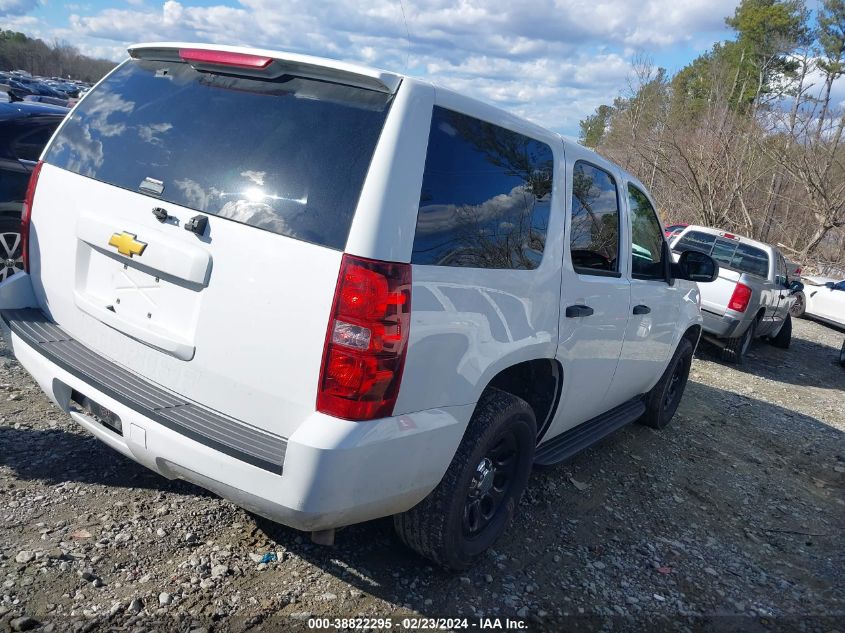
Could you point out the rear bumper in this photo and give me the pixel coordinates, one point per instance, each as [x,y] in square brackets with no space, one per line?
[723,326]
[329,473]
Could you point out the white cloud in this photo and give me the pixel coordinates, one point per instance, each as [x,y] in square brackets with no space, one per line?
[17,7]
[552,61]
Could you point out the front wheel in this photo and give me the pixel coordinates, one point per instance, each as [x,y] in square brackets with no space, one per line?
[842,355]
[663,400]
[784,337]
[474,502]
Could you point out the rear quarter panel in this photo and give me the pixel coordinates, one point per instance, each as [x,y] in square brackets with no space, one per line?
[468,324]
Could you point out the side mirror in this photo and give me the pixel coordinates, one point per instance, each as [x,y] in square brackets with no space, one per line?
[829,284]
[795,286]
[695,266]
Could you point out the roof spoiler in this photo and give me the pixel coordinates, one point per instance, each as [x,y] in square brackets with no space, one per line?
[267,64]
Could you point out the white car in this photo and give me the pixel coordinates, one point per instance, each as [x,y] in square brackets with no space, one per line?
[823,298]
[331,293]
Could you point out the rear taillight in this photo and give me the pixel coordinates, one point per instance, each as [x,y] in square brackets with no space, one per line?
[26,214]
[366,340]
[740,298]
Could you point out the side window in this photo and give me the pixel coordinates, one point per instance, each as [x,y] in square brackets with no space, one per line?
[782,277]
[839,286]
[594,234]
[31,141]
[485,196]
[646,238]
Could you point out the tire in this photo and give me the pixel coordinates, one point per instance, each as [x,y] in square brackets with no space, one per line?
[11,253]
[736,348]
[451,525]
[799,307]
[842,355]
[663,400]
[783,338]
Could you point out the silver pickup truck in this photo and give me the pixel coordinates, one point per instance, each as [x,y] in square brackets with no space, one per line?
[752,296]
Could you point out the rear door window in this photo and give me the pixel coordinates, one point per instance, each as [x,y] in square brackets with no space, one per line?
[485,197]
[594,230]
[287,155]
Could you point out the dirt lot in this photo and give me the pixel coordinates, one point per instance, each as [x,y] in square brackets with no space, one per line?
[731,519]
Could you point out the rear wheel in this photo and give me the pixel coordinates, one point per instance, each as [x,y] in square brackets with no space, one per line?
[663,400]
[798,308]
[473,504]
[736,348]
[784,336]
[10,247]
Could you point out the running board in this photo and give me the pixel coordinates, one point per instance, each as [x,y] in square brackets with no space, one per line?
[588,433]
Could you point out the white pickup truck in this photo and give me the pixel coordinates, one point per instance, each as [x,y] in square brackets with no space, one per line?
[331,293]
[752,296]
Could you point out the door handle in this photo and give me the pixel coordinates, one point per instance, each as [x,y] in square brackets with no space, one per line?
[578,311]
[641,309]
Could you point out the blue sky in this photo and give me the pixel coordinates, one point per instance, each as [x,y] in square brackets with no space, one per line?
[553,61]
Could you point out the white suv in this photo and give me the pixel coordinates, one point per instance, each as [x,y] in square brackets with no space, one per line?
[330,293]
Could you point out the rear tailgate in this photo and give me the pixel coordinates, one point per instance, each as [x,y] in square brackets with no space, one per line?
[234,315]
[716,295]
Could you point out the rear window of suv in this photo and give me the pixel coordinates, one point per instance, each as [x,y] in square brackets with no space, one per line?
[731,254]
[287,155]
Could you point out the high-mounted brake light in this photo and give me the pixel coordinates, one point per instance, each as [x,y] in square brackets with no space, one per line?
[225,58]
[740,298]
[366,341]
[26,213]
[729,236]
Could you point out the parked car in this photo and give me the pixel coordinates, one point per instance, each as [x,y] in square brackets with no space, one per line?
[793,269]
[752,296]
[823,298]
[24,131]
[398,342]
[674,229]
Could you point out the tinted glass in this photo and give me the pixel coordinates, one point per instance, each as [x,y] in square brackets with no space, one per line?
[723,251]
[287,155]
[729,253]
[646,237]
[33,136]
[695,241]
[485,196]
[594,233]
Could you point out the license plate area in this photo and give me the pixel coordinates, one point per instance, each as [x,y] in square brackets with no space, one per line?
[137,295]
[97,412]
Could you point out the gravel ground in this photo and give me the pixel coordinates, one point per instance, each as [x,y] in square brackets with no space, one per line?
[730,519]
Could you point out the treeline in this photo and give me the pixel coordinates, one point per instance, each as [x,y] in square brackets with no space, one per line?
[19,52]
[746,137]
